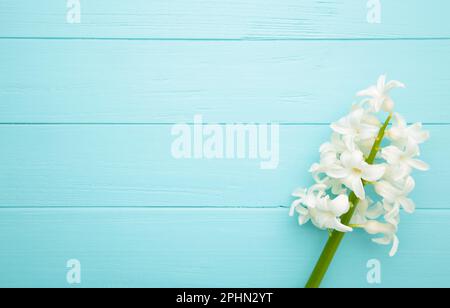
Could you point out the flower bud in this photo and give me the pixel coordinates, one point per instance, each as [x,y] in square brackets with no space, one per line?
[375,227]
[388,105]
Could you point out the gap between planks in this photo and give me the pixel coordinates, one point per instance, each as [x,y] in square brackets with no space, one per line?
[244,39]
[281,207]
[170,123]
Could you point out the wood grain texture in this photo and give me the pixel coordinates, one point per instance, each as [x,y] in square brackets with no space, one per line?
[85,117]
[231,19]
[123,165]
[208,248]
[168,82]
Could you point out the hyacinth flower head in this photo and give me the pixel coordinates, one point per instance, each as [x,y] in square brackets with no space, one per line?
[364,150]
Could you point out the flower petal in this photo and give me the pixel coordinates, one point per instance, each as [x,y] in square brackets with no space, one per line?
[341,128]
[388,104]
[381,83]
[340,205]
[355,117]
[418,164]
[371,92]
[337,225]
[395,245]
[392,214]
[373,173]
[387,191]
[382,240]
[394,84]
[407,204]
[303,219]
[409,186]
[376,227]
[391,154]
[400,120]
[417,134]
[352,159]
[368,131]
[357,187]
[294,206]
[337,172]
[375,211]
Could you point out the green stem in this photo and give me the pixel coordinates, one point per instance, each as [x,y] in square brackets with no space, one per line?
[336,237]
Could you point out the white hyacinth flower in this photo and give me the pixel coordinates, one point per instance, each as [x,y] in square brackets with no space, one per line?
[353,170]
[398,195]
[366,210]
[404,160]
[356,127]
[379,94]
[313,205]
[388,230]
[328,158]
[325,215]
[364,153]
[309,196]
[391,212]
[403,135]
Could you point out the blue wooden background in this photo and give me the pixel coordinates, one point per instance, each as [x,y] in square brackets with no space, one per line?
[86,112]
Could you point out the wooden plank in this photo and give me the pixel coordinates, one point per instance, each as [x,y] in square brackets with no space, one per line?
[169,82]
[122,165]
[207,248]
[231,19]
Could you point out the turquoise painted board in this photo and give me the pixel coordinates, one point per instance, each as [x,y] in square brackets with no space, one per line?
[230,19]
[123,165]
[168,82]
[215,248]
[86,112]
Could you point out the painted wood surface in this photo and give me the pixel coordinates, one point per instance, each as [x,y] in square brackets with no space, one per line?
[168,82]
[231,19]
[86,112]
[122,165]
[214,247]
